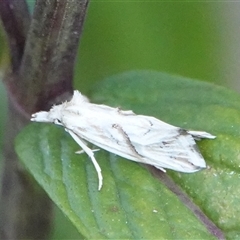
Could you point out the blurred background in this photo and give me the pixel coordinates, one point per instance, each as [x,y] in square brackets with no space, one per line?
[197,39]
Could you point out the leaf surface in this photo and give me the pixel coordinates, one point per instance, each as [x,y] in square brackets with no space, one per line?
[134,203]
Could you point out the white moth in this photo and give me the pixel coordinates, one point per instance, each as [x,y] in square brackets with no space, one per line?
[138,138]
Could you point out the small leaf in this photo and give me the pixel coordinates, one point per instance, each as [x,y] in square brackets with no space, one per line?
[133,203]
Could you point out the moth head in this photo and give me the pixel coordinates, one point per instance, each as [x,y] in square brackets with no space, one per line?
[53,116]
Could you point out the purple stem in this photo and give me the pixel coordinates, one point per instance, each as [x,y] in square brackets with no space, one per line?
[41,74]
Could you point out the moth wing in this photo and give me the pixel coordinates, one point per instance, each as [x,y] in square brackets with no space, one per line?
[174,151]
[138,138]
[166,149]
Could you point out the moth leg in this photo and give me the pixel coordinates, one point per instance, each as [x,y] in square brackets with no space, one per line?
[79,152]
[90,153]
[82,151]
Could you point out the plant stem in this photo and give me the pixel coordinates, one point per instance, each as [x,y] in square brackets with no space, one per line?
[48,61]
[41,74]
[26,211]
[16,21]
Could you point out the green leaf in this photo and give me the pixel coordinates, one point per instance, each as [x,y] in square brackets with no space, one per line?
[133,202]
